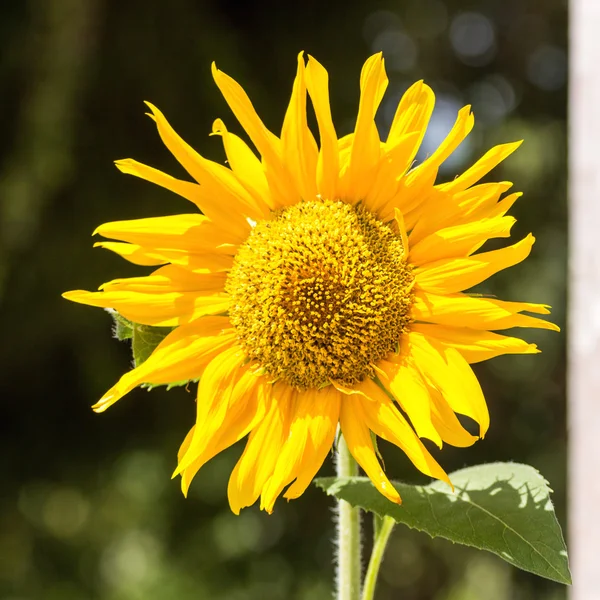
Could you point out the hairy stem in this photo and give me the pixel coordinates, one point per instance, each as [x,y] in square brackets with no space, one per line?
[348,533]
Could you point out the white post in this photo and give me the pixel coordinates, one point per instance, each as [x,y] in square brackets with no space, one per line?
[584,300]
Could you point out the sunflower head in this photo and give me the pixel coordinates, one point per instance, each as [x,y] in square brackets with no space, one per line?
[320,293]
[317,286]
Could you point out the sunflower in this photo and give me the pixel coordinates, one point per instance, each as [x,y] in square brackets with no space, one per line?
[320,286]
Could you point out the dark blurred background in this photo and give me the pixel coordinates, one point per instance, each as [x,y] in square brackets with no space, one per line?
[87,508]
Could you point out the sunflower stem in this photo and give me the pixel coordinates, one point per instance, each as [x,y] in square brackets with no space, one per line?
[382,536]
[348,532]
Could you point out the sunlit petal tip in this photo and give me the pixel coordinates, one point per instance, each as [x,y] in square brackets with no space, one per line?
[218,127]
[390,492]
[79,296]
[123,164]
[105,402]
[178,469]
[153,108]
[217,74]
[109,245]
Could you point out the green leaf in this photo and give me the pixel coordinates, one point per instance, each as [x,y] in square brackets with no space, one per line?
[504,508]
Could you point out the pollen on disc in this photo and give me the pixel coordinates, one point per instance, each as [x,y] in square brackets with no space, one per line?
[321,292]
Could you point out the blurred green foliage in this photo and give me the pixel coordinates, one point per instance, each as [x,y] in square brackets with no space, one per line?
[87,508]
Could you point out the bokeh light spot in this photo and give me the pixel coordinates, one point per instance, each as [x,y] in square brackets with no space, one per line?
[65,512]
[547,68]
[473,38]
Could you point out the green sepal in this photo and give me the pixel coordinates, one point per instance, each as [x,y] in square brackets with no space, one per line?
[169,386]
[144,340]
[122,327]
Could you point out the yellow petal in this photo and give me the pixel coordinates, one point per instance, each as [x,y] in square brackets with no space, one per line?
[262,450]
[482,167]
[412,115]
[386,421]
[298,145]
[321,422]
[240,419]
[134,253]
[459,240]
[446,370]
[182,355]
[225,389]
[317,82]
[365,151]
[410,196]
[504,205]
[393,165]
[237,99]
[444,209]
[201,262]
[185,189]
[167,309]
[449,276]
[358,437]
[267,144]
[311,434]
[245,165]
[408,388]
[223,198]
[418,183]
[195,233]
[461,310]
[170,278]
[447,424]
[460,130]
[474,345]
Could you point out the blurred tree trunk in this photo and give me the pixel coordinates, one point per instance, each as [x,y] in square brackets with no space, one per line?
[56,45]
[584,309]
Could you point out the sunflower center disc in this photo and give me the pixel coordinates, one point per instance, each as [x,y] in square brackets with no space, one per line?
[320,292]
